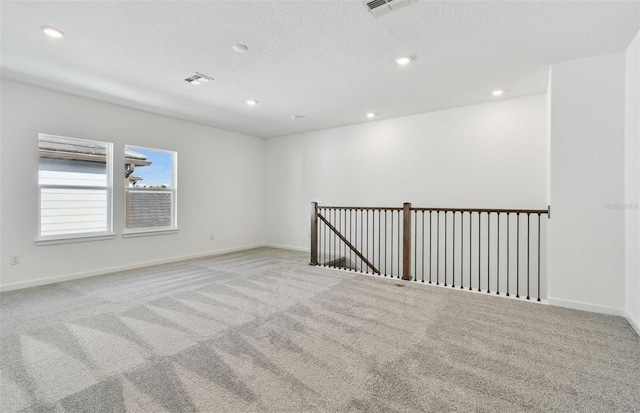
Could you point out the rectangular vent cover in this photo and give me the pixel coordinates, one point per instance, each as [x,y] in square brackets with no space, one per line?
[384,6]
[198,79]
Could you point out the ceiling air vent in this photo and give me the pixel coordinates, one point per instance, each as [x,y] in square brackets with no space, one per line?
[198,79]
[377,7]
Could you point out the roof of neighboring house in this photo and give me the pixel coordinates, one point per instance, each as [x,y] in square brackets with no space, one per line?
[52,147]
[129,154]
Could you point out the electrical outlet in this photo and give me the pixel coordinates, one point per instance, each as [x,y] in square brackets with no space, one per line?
[14,260]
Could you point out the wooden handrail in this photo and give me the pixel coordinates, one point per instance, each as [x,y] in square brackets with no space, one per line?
[362,208]
[496,210]
[501,211]
[348,244]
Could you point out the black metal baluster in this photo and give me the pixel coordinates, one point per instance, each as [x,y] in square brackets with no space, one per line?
[538,256]
[488,252]
[479,248]
[336,223]
[399,243]
[329,214]
[353,231]
[355,237]
[415,244]
[335,239]
[385,242]
[445,248]
[321,240]
[438,249]
[379,240]
[347,233]
[326,235]
[462,250]
[327,240]
[345,245]
[498,258]
[528,250]
[453,258]
[518,257]
[361,237]
[392,216]
[367,239]
[508,267]
[422,245]
[340,229]
[338,240]
[470,249]
[373,238]
[430,244]
[353,228]
[338,247]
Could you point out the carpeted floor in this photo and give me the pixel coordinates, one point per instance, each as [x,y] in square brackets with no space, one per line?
[263,331]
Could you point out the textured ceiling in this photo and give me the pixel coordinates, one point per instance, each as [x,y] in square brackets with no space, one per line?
[329,61]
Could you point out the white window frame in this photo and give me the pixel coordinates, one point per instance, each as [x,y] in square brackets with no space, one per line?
[80,236]
[145,231]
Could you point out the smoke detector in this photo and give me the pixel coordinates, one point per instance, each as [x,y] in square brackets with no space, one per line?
[198,79]
[378,7]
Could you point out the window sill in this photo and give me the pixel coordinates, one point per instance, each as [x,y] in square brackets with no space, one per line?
[149,232]
[77,238]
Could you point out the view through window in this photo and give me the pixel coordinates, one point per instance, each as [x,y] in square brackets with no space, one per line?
[150,186]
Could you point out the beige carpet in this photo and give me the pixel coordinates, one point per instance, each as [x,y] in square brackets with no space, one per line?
[264,331]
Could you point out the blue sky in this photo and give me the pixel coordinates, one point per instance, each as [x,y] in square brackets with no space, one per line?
[159,172]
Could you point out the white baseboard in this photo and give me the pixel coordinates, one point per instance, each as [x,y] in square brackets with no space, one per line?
[286,247]
[103,271]
[578,305]
[632,323]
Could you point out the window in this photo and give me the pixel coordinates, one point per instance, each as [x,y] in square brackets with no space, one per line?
[150,190]
[75,185]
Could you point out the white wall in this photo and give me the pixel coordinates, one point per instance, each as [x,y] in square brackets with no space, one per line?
[220,187]
[586,237]
[490,155]
[632,183]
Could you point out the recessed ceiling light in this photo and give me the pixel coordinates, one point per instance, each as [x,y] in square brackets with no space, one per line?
[251,102]
[497,92]
[52,32]
[371,115]
[198,79]
[403,60]
[240,48]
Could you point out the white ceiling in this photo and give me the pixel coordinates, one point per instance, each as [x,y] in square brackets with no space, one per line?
[329,61]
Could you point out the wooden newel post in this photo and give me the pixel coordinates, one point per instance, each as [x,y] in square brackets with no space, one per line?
[314,233]
[406,242]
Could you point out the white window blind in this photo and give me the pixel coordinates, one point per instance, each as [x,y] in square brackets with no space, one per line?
[74,187]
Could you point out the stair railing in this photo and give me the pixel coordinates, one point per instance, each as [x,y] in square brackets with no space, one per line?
[497,250]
